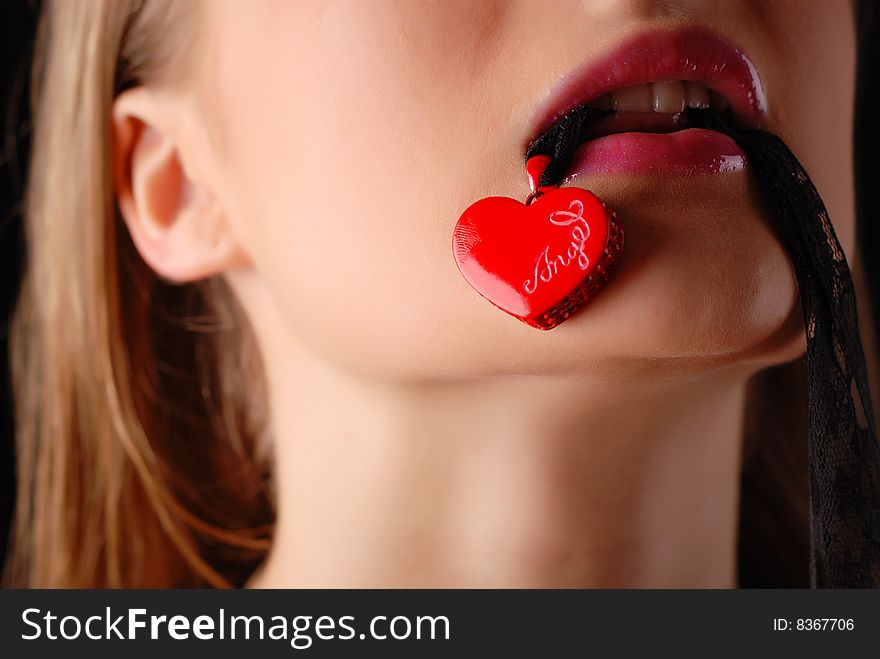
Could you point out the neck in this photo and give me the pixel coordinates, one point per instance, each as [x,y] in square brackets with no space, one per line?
[517,481]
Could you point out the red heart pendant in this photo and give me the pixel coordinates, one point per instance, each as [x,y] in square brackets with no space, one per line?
[539,262]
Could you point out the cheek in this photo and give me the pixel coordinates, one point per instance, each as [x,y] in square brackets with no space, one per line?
[811,100]
[367,284]
[349,155]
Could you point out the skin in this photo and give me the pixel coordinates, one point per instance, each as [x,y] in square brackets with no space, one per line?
[318,156]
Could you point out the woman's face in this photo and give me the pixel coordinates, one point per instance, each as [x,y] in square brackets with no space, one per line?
[350,136]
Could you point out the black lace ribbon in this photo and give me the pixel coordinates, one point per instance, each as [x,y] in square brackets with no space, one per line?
[844,455]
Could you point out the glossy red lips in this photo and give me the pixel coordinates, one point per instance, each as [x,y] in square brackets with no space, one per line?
[539,262]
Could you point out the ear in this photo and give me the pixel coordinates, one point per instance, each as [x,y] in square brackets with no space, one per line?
[176,222]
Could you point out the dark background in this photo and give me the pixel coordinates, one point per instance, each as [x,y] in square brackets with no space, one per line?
[17,27]
[17,22]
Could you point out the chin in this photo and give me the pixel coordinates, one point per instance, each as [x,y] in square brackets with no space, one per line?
[649,323]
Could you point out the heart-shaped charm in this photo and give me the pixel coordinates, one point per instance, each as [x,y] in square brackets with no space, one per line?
[542,261]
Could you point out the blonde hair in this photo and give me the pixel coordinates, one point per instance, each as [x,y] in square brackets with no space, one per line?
[140,459]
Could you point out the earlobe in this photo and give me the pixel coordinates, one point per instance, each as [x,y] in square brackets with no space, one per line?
[176,222]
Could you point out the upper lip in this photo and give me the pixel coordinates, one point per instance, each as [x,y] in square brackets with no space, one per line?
[691,53]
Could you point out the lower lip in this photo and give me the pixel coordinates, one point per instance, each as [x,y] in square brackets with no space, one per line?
[686,152]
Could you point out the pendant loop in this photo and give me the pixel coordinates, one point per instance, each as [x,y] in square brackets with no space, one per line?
[532,196]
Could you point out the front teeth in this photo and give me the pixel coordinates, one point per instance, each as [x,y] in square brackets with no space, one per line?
[668,96]
[633,99]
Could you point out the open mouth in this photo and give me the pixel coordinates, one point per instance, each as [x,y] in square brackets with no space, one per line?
[635,108]
[648,128]
[657,107]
